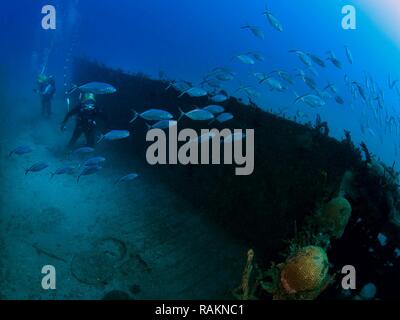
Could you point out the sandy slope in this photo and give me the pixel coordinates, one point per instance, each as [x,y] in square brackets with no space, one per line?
[136,237]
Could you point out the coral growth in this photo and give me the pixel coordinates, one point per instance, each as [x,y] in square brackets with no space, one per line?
[303,276]
[334,217]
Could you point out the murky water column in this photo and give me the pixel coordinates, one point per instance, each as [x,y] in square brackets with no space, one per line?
[73,23]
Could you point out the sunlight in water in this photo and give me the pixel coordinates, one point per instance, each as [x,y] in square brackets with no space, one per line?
[386,13]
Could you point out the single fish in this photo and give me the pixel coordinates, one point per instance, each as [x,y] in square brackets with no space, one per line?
[335,61]
[63,170]
[128,177]
[305,58]
[95,161]
[152,115]
[96,88]
[310,82]
[224,117]
[213,83]
[324,94]
[249,90]
[256,55]
[223,76]
[21,150]
[317,60]
[349,55]
[194,92]
[215,109]
[274,84]
[331,87]
[197,115]
[260,76]
[256,31]
[83,150]
[88,171]
[37,167]
[179,85]
[221,70]
[285,76]
[246,59]
[339,100]
[312,100]
[114,135]
[219,98]
[163,124]
[360,90]
[273,21]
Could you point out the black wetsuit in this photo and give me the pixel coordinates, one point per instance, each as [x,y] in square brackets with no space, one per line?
[46,91]
[85,123]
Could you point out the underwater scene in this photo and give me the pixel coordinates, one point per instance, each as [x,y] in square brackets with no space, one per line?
[200,150]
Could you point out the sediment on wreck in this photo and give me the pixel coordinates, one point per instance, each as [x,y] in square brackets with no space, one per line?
[297,168]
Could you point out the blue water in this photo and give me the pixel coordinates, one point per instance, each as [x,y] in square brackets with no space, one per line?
[183,39]
[187,39]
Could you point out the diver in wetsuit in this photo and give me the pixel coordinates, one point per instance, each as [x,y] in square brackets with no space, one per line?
[46,88]
[86,114]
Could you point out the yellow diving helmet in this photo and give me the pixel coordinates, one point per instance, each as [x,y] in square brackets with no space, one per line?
[89,100]
[42,78]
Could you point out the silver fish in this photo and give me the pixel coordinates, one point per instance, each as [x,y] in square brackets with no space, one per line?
[273,21]
[285,76]
[152,115]
[37,167]
[114,135]
[311,100]
[197,115]
[249,90]
[349,55]
[93,161]
[128,177]
[224,117]
[339,100]
[178,85]
[274,84]
[83,150]
[163,124]
[218,98]
[256,31]
[97,88]
[63,170]
[88,171]
[21,150]
[194,92]
[305,58]
[246,59]
[335,61]
[317,60]
[256,55]
[215,109]
[223,76]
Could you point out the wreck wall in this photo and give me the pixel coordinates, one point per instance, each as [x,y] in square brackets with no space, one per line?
[296,167]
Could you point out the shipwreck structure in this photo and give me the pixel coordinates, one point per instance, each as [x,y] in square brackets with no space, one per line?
[289,200]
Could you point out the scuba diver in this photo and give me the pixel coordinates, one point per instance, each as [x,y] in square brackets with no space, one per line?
[86,113]
[46,87]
